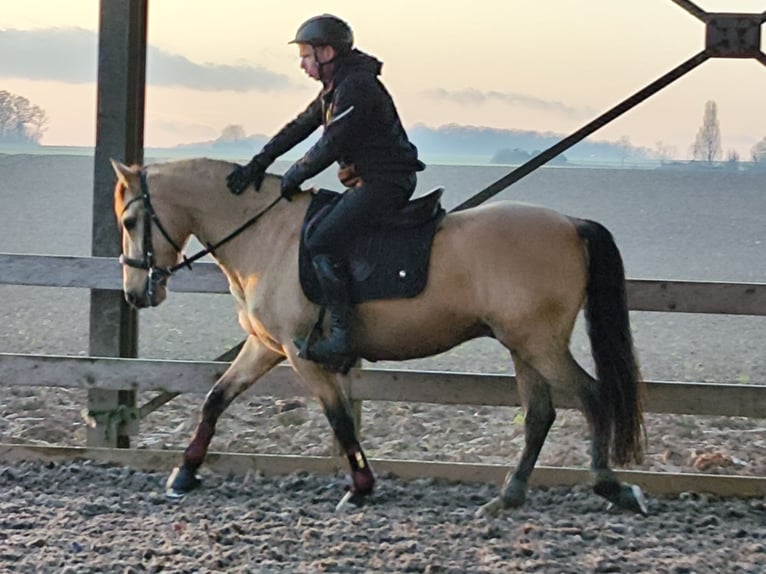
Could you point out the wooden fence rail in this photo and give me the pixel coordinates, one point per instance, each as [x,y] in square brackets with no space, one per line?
[173,377]
[104,273]
[447,388]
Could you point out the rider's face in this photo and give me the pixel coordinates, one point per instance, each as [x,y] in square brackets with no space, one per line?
[309,54]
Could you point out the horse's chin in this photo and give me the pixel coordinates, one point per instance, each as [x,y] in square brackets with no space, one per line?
[158,297]
[156,300]
[142,300]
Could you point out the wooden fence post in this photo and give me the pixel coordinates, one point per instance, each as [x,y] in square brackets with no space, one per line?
[119,134]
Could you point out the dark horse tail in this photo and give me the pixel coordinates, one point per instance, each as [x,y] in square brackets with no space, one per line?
[620,394]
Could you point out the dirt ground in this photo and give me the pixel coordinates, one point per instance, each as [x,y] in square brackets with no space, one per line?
[83,517]
[77,518]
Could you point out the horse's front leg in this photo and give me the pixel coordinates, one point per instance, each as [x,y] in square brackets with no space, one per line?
[253,361]
[326,387]
[338,413]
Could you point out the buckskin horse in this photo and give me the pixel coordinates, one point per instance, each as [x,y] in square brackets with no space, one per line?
[517,273]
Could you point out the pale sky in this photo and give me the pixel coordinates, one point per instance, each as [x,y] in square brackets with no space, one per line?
[544,65]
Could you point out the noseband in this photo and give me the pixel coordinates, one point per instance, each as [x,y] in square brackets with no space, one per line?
[156,274]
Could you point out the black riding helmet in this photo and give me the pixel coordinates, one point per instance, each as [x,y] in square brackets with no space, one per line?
[325,30]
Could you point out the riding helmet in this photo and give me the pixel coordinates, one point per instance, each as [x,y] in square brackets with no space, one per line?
[325,30]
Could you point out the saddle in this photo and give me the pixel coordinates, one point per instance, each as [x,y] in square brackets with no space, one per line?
[390,260]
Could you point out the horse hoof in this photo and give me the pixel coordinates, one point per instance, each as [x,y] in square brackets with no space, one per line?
[349,499]
[632,498]
[180,482]
[625,496]
[492,509]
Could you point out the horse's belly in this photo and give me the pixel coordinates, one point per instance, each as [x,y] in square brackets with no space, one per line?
[399,331]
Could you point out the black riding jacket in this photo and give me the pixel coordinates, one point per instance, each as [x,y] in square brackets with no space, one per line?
[361,127]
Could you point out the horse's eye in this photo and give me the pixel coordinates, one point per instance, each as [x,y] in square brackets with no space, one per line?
[129,223]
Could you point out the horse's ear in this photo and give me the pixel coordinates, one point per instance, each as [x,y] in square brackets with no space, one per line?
[122,171]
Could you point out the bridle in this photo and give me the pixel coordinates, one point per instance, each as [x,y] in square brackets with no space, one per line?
[155,274]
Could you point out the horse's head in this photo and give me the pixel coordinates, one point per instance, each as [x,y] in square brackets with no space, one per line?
[152,236]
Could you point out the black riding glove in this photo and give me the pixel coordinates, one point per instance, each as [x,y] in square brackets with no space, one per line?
[291,183]
[253,172]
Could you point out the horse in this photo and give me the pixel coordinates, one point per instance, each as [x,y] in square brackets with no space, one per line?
[515,272]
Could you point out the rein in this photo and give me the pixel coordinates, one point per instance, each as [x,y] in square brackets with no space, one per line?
[157,274]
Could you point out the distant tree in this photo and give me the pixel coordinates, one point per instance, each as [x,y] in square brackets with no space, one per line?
[232,133]
[510,156]
[759,152]
[732,160]
[20,120]
[623,145]
[560,159]
[707,144]
[517,156]
[665,152]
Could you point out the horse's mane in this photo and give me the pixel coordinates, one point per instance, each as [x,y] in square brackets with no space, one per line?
[194,171]
[203,164]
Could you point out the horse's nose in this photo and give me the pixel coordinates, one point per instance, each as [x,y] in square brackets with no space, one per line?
[132,299]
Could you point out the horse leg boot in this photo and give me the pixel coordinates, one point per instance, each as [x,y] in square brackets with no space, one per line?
[334,351]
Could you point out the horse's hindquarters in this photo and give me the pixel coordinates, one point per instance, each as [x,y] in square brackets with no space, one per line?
[514,272]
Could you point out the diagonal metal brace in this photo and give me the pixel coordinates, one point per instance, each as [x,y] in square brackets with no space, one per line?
[583,132]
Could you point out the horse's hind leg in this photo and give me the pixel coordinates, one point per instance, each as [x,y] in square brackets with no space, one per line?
[606,483]
[539,416]
[564,372]
[253,361]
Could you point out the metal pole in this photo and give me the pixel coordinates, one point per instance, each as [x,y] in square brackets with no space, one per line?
[693,9]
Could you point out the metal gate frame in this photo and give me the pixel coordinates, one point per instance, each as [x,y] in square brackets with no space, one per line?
[727,35]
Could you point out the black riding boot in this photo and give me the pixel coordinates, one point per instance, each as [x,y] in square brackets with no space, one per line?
[334,350]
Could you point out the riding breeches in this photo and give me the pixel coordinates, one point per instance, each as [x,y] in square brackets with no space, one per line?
[357,209]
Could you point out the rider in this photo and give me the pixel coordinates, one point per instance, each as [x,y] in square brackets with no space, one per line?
[363,133]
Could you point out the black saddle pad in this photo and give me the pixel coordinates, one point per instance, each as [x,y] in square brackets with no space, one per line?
[390,260]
